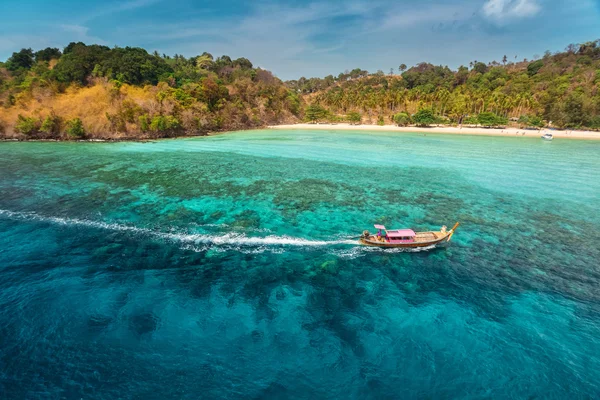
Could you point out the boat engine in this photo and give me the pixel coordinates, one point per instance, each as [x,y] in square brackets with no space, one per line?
[366,234]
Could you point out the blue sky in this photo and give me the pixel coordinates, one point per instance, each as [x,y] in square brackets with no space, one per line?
[296,38]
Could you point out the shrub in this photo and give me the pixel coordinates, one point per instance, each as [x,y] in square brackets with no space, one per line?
[2,127]
[51,125]
[402,119]
[117,122]
[490,119]
[354,117]
[334,118]
[293,102]
[380,120]
[75,129]
[162,123]
[534,67]
[536,121]
[27,125]
[144,123]
[424,117]
[594,123]
[471,120]
[315,112]
[523,120]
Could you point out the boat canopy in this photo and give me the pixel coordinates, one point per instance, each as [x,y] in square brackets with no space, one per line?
[401,233]
[380,227]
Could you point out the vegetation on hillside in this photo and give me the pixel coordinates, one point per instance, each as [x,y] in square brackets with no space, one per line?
[95,91]
[560,90]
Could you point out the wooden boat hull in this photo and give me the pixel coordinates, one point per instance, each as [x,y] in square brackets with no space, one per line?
[423,239]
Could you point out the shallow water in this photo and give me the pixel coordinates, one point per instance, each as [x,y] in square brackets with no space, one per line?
[226,267]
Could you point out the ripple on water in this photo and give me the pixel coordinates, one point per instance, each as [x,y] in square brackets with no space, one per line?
[226,267]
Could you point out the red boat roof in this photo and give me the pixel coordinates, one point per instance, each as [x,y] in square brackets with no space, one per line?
[400,233]
[379,227]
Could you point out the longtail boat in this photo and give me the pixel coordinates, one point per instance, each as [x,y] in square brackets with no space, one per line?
[406,237]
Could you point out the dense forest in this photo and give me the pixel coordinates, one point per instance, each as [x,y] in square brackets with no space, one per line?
[560,90]
[98,92]
[93,91]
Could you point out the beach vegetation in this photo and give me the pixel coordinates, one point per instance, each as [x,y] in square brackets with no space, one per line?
[164,123]
[315,113]
[75,129]
[561,88]
[354,117]
[471,120]
[51,125]
[424,117]
[531,121]
[28,126]
[491,120]
[128,91]
[118,91]
[402,119]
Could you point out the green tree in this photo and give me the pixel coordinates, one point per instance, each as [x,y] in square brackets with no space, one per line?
[133,65]
[144,121]
[480,67]
[534,67]
[78,62]
[51,125]
[424,117]
[315,112]
[489,119]
[354,117]
[164,124]
[536,121]
[47,54]
[402,67]
[402,119]
[574,110]
[75,129]
[21,60]
[243,63]
[27,125]
[204,62]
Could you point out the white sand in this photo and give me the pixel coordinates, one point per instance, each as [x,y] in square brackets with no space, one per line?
[450,130]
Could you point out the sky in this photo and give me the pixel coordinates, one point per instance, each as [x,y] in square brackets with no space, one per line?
[295,38]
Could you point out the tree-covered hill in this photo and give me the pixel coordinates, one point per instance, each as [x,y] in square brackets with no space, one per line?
[561,90]
[98,92]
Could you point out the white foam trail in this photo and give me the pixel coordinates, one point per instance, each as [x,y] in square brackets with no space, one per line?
[218,240]
[203,242]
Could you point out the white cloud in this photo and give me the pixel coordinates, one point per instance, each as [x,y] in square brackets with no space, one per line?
[407,18]
[115,8]
[502,11]
[77,33]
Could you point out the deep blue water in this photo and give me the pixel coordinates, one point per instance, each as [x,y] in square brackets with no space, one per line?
[226,267]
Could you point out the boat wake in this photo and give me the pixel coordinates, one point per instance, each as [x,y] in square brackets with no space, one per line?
[193,241]
[344,247]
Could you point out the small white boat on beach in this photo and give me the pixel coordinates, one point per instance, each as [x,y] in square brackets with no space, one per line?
[547,136]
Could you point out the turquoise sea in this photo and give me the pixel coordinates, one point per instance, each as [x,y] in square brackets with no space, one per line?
[226,267]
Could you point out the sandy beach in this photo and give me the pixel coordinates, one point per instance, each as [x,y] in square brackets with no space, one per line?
[589,135]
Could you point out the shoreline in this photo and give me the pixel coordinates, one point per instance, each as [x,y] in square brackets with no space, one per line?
[508,132]
[452,130]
